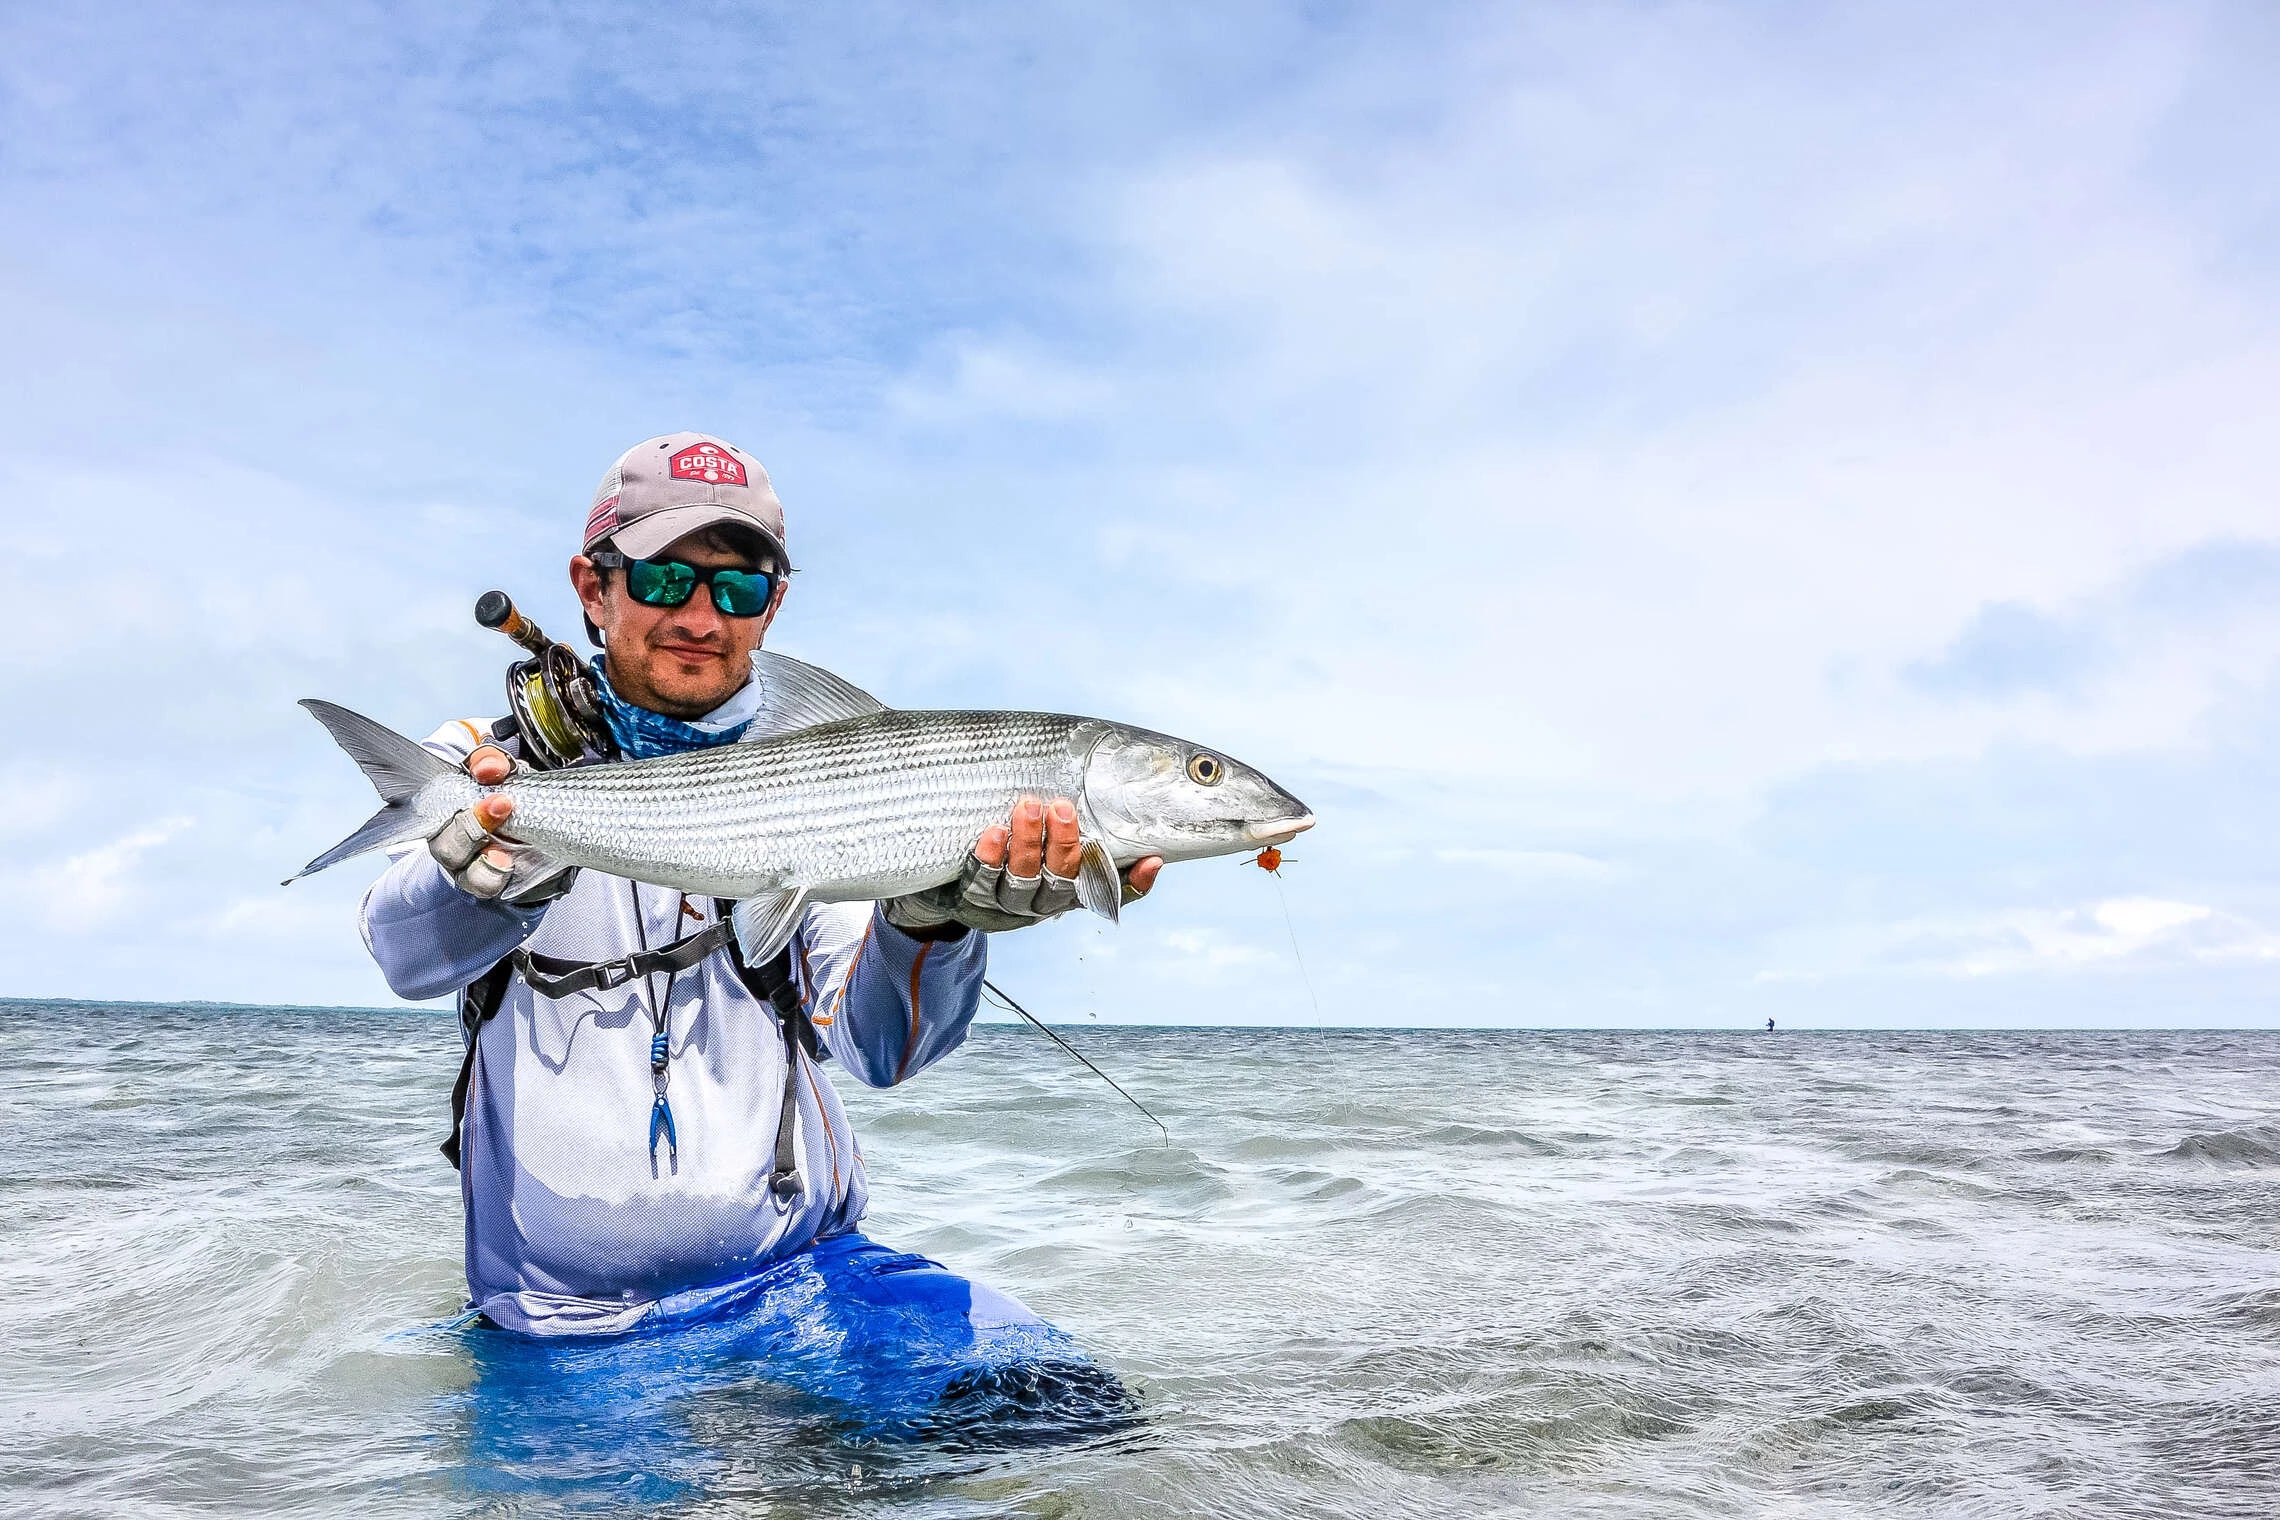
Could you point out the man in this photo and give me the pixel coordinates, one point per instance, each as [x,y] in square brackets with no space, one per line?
[617,1143]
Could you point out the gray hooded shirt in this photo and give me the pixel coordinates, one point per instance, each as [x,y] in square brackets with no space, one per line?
[572,1225]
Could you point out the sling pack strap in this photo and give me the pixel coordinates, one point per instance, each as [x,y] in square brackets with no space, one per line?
[550,976]
[554,977]
[478,1001]
[771,982]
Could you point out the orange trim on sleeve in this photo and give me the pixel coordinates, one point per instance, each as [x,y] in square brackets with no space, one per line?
[472,732]
[816,1017]
[910,1044]
[831,1145]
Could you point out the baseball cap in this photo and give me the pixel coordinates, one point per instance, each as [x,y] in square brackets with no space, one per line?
[664,488]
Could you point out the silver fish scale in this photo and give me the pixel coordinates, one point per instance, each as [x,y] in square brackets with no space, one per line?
[861,808]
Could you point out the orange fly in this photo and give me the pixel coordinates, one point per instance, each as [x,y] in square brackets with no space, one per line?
[1270,859]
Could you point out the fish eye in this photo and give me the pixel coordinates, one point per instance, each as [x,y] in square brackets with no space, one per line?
[1205,770]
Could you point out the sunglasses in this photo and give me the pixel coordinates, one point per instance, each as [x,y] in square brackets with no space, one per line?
[669,583]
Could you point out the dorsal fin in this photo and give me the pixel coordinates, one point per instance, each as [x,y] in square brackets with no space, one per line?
[796,695]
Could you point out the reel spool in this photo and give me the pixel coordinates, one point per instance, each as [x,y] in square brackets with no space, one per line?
[551,694]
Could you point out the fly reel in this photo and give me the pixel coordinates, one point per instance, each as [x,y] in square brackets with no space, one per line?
[551,695]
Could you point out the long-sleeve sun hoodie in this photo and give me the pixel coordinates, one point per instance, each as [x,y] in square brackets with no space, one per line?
[572,1226]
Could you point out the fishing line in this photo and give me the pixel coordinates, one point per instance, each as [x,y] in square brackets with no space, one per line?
[1004,1000]
[1294,955]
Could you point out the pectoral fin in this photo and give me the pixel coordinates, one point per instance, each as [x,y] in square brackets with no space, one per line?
[531,870]
[764,925]
[1099,887]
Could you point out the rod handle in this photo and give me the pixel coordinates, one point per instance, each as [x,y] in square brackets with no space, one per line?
[496,610]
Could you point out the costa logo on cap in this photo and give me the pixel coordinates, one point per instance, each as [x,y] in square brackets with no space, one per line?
[708,462]
[665,488]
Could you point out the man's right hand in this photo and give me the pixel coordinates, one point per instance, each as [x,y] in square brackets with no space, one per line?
[477,863]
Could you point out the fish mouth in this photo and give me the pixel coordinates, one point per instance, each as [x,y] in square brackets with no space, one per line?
[1280,829]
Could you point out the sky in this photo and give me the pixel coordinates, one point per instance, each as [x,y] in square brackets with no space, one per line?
[1724,511]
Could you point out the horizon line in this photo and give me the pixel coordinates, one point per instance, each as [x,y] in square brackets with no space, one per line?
[8,1001]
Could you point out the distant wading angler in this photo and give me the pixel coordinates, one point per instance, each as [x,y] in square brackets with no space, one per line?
[646,1135]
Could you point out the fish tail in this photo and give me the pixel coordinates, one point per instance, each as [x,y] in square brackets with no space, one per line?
[397,768]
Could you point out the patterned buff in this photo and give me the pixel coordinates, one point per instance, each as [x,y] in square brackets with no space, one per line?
[642,734]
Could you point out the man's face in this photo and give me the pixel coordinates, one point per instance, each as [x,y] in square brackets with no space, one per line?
[681,661]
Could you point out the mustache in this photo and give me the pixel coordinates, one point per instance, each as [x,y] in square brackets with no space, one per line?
[716,643]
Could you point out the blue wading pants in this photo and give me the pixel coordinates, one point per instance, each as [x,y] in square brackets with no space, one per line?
[846,1339]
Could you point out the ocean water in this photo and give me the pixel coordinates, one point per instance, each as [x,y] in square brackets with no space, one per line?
[1371,1274]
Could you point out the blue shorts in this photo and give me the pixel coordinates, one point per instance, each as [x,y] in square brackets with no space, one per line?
[846,1341]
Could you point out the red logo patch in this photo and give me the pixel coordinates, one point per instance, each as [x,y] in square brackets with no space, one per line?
[708,462]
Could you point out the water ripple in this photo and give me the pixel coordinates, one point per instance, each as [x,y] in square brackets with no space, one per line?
[1381,1274]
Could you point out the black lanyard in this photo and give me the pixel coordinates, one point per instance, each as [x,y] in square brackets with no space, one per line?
[661,1041]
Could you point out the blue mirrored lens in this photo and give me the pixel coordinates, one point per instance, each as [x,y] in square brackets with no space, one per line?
[660,582]
[741,593]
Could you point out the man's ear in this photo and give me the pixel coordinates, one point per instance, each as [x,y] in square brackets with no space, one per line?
[587,582]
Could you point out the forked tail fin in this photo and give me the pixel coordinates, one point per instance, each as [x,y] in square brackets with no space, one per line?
[397,768]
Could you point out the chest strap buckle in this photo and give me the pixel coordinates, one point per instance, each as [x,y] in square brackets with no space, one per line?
[552,977]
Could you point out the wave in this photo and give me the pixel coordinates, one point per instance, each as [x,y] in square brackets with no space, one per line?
[2255,1146]
[1491,1136]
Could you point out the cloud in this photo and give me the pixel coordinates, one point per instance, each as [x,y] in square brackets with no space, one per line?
[2225,591]
[2122,934]
[985,382]
[1741,463]
[2007,649]
[39,797]
[1205,952]
[2098,934]
[99,883]
[271,919]
[1532,865]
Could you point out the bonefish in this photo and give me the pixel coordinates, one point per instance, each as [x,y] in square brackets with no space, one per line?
[834,797]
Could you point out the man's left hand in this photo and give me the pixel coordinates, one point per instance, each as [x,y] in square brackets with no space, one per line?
[1020,873]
